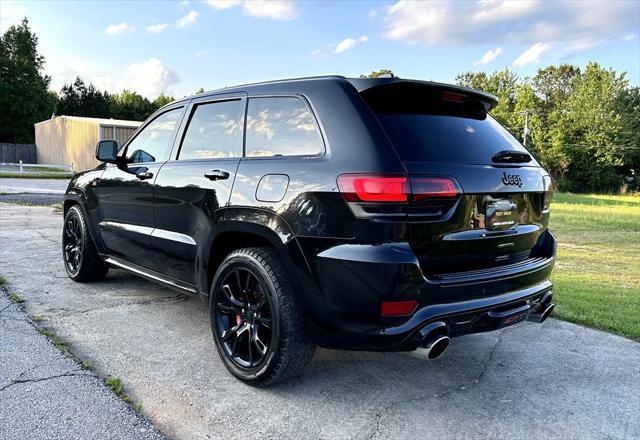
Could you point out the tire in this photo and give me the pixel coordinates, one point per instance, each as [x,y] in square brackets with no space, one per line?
[81,259]
[259,329]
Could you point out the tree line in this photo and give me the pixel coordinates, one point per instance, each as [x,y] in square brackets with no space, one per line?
[582,124]
[80,99]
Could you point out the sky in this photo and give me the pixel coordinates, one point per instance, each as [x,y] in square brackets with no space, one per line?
[176,47]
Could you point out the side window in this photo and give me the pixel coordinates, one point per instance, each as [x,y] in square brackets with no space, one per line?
[214,131]
[281,126]
[153,143]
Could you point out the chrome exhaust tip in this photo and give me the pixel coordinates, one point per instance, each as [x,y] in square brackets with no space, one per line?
[436,345]
[547,312]
[544,309]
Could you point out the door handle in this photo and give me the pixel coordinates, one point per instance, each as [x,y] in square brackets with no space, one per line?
[143,175]
[216,175]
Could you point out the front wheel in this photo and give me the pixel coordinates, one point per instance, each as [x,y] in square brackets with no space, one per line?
[81,259]
[258,327]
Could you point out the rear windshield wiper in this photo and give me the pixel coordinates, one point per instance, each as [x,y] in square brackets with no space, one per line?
[511,156]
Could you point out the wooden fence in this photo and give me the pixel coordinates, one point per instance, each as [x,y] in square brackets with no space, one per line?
[14,153]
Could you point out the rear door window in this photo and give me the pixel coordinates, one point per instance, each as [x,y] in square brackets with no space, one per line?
[281,126]
[214,131]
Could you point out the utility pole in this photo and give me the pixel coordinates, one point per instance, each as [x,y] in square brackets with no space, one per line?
[526,128]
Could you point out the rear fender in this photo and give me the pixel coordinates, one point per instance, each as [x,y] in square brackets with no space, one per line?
[263,224]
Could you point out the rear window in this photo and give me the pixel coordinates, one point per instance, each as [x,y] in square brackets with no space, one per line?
[439,123]
[440,138]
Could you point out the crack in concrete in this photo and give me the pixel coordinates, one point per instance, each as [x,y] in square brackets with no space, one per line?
[72,373]
[41,234]
[6,307]
[474,382]
[169,299]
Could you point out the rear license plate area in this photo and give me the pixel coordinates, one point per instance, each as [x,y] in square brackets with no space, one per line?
[501,214]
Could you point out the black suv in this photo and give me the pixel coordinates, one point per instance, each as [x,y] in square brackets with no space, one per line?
[362,214]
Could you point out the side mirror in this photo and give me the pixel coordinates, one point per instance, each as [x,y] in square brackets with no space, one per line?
[107,151]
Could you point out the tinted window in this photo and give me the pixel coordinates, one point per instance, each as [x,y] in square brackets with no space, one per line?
[153,143]
[281,127]
[214,131]
[440,138]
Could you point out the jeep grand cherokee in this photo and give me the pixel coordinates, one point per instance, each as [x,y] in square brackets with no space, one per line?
[363,214]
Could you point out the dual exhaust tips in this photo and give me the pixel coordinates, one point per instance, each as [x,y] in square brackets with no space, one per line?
[435,340]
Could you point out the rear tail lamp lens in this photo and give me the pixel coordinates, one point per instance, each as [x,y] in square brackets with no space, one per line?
[381,189]
[371,188]
[398,308]
[427,187]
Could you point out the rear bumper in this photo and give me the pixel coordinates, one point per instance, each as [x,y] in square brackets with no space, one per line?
[350,282]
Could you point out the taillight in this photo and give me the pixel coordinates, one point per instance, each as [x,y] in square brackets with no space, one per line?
[379,195]
[549,190]
[372,188]
[428,187]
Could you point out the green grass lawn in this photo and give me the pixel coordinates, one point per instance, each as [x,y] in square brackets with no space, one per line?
[597,273]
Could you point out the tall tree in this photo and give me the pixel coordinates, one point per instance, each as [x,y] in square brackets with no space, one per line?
[78,99]
[24,95]
[378,73]
[161,101]
[587,129]
[628,106]
[554,85]
[130,105]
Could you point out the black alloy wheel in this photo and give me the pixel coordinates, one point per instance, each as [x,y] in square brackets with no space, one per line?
[72,244]
[243,318]
[81,258]
[258,326]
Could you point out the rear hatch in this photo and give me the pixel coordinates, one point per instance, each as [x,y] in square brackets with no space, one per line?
[499,213]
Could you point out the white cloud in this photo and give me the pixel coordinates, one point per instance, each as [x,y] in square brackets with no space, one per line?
[343,46]
[570,25]
[149,78]
[118,29]
[272,9]
[348,43]
[223,4]
[489,56]
[157,28]
[532,55]
[182,4]
[187,20]
[11,13]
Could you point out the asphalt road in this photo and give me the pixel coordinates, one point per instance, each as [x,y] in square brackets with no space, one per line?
[42,186]
[46,395]
[555,380]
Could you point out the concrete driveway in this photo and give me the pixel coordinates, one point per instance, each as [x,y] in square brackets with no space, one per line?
[555,380]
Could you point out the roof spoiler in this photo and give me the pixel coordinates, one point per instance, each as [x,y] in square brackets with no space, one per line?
[368,86]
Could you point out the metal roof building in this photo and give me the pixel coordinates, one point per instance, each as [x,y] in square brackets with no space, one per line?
[73,139]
